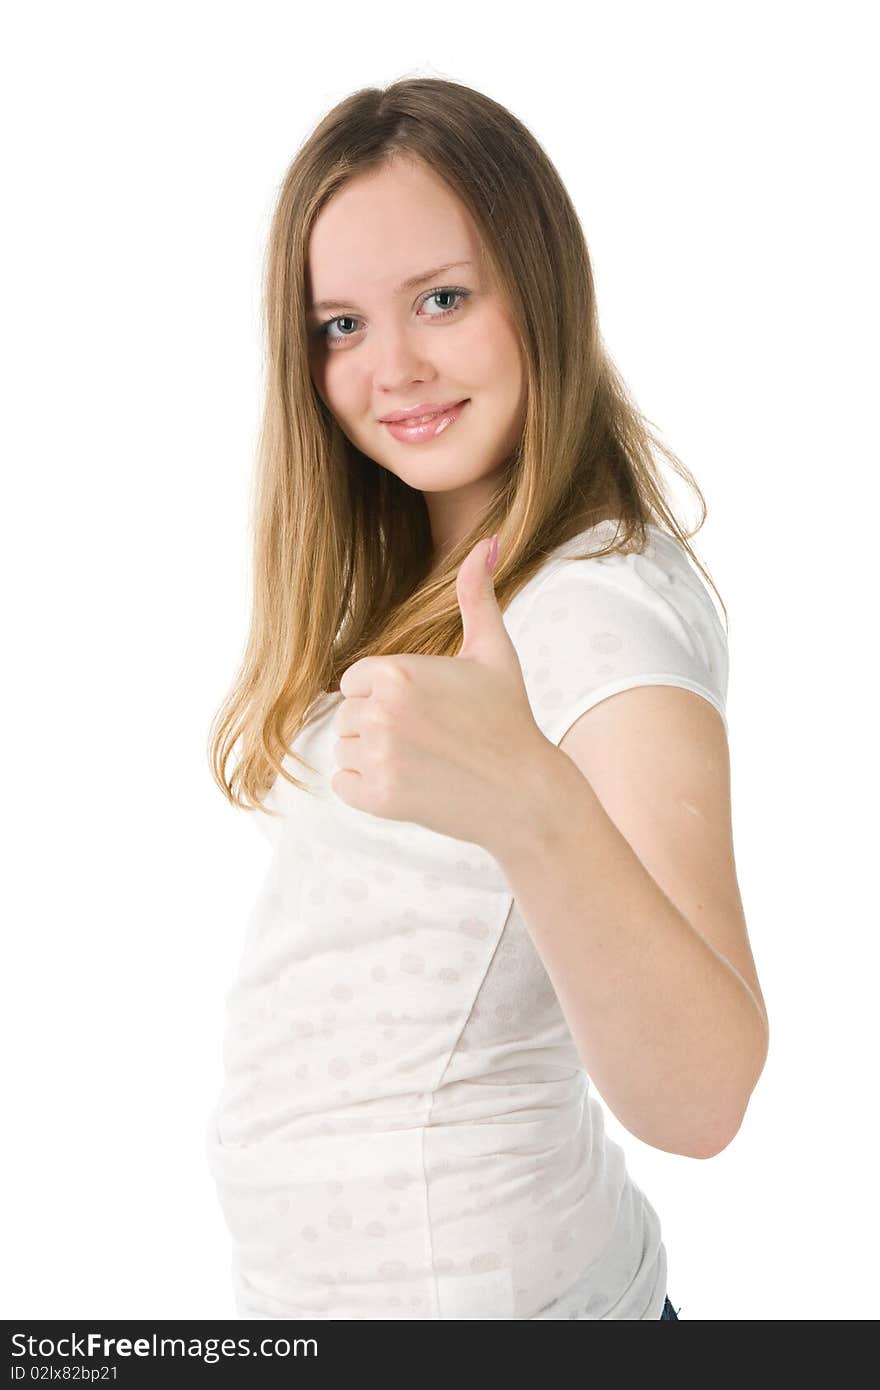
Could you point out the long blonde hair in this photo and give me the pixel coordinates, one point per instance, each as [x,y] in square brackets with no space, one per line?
[341,546]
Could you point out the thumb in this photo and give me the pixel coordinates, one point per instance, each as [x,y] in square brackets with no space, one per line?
[485,636]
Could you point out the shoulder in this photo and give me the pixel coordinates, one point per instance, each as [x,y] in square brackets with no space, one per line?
[597,625]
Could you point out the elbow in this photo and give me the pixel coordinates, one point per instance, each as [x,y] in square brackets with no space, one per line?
[705,1147]
[715,1144]
[718,1129]
[709,1150]
[711,1146]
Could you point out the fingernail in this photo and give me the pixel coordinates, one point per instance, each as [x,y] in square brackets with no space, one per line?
[492,555]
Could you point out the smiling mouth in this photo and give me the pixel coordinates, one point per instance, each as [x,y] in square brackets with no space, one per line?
[420,429]
[429,415]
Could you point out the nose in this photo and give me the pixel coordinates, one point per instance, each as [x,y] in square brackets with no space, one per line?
[398,358]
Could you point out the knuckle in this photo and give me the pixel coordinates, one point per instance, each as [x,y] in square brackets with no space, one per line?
[385,792]
[381,715]
[395,687]
[383,746]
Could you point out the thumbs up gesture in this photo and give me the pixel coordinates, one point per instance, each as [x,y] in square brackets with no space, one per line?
[449,743]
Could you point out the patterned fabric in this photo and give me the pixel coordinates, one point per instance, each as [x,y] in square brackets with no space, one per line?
[405,1129]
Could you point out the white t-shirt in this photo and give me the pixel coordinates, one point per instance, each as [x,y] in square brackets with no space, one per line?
[405,1128]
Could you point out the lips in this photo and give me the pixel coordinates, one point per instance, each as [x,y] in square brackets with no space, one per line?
[411,431]
[417,419]
[417,413]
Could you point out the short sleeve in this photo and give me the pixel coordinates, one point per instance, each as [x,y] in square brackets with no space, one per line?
[597,626]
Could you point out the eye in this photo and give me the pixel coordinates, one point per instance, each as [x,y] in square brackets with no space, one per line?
[436,294]
[460,294]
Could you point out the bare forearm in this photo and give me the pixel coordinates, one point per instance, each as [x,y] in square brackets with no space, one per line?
[665,1026]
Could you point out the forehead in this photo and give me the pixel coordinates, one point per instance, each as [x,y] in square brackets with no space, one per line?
[383,226]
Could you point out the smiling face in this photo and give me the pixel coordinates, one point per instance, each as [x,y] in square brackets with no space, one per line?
[377,347]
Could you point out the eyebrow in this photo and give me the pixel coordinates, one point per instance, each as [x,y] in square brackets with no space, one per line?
[411,284]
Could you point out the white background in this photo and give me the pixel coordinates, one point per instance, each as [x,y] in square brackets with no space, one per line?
[719,158]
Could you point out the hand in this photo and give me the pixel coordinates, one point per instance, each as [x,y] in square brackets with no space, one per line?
[445,742]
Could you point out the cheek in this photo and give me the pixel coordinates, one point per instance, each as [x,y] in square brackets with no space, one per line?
[337,382]
[490,356]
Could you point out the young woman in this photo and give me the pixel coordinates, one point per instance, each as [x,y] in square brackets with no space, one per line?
[497,794]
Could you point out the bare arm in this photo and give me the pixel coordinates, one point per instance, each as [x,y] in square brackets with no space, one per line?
[667,1028]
